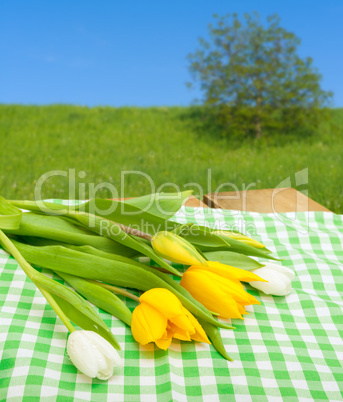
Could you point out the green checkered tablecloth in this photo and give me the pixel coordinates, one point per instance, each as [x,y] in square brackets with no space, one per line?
[288,348]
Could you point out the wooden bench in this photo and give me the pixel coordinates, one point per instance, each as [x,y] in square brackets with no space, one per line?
[264,201]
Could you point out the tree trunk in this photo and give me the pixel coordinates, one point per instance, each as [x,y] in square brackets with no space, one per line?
[258,122]
[258,127]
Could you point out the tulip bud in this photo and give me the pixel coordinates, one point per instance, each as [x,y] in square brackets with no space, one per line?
[92,354]
[175,248]
[279,279]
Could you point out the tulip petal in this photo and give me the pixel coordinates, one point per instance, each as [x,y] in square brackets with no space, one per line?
[200,334]
[279,279]
[164,301]
[233,273]
[174,248]
[92,354]
[241,309]
[198,282]
[147,324]
[228,286]
[105,348]
[81,354]
[179,333]
[183,322]
[160,317]
[163,343]
[236,290]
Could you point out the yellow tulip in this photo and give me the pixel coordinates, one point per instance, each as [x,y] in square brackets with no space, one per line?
[175,248]
[240,237]
[217,286]
[160,316]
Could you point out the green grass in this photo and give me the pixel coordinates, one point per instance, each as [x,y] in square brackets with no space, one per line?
[168,144]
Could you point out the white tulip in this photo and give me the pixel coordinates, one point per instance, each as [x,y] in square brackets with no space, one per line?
[92,354]
[279,279]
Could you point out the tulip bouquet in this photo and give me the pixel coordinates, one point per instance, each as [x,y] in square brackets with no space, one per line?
[100,249]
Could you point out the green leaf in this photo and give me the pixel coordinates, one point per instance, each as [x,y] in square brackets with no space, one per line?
[201,237]
[130,275]
[150,212]
[93,251]
[79,311]
[214,334]
[78,263]
[10,216]
[70,303]
[41,206]
[85,322]
[59,229]
[243,248]
[183,228]
[205,240]
[127,214]
[111,230]
[164,205]
[99,296]
[76,308]
[118,211]
[234,259]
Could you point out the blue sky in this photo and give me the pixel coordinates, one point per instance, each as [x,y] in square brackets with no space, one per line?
[134,53]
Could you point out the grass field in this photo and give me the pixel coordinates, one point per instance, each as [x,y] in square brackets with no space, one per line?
[167,144]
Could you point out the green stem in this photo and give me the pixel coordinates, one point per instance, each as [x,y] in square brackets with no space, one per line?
[32,274]
[11,248]
[116,290]
[57,309]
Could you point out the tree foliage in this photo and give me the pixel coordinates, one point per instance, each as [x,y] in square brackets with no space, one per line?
[254,80]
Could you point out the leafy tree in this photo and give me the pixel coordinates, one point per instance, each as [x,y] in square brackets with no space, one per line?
[253,78]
